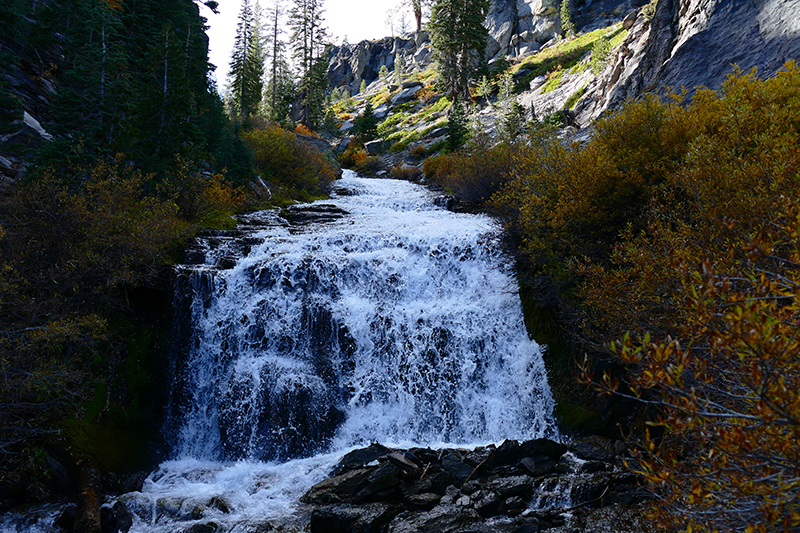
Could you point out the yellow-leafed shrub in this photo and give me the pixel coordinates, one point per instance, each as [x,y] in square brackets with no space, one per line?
[283,159]
[681,225]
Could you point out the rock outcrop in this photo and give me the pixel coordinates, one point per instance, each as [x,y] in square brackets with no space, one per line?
[518,486]
[696,43]
[516,28]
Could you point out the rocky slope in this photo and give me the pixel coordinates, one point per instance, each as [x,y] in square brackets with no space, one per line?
[669,43]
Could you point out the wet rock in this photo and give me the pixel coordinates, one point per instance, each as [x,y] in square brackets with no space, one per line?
[368,518]
[116,519]
[360,458]
[448,518]
[512,486]
[422,502]
[593,449]
[456,491]
[309,213]
[338,489]
[539,465]
[453,463]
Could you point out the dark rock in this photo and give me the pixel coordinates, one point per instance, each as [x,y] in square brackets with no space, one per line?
[512,486]
[360,458]
[539,465]
[226,263]
[209,527]
[454,464]
[593,449]
[380,484]
[368,518]
[545,447]
[441,519]
[514,505]
[592,467]
[66,520]
[116,519]
[435,481]
[338,489]
[308,213]
[402,462]
[422,502]
[487,503]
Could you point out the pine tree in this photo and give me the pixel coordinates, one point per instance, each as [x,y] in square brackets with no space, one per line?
[567,25]
[398,68]
[247,62]
[511,115]
[458,38]
[456,126]
[309,43]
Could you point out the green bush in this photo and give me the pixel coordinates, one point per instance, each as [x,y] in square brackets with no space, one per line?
[283,159]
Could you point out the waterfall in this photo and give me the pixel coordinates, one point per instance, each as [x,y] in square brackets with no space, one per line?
[397,321]
[376,316]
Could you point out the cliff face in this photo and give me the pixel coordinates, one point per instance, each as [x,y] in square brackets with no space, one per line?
[690,43]
[516,28]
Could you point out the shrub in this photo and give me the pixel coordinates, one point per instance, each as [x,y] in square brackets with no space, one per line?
[370,165]
[72,244]
[680,226]
[301,129]
[283,159]
[600,52]
[405,172]
[472,177]
[354,154]
[417,151]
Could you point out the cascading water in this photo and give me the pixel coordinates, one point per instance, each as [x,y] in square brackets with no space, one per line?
[396,322]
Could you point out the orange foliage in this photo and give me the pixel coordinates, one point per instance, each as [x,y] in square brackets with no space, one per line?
[303,130]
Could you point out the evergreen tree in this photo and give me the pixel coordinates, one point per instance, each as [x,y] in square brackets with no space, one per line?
[567,25]
[309,43]
[398,68]
[247,62]
[366,126]
[458,38]
[511,115]
[456,126]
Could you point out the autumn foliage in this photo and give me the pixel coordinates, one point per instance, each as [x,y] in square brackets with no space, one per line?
[680,224]
[283,160]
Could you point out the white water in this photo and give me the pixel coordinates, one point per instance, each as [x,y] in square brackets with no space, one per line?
[398,323]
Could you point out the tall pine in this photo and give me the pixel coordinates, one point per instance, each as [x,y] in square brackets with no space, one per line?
[247,62]
[280,89]
[309,44]
[458,39]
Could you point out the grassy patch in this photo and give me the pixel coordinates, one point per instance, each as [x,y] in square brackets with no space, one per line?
[567,54]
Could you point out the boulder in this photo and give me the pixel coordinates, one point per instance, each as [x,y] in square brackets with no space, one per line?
[405,95]
[448,518]
[368,518]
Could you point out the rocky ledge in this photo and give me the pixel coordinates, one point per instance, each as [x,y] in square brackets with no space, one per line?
[526,487]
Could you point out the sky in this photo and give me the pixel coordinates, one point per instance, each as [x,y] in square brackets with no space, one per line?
[355,19]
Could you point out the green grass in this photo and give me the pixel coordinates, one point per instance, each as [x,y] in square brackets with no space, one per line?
[567,54]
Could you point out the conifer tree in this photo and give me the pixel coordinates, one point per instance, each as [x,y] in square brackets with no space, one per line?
[309,42]
[247,62]
[458,38]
